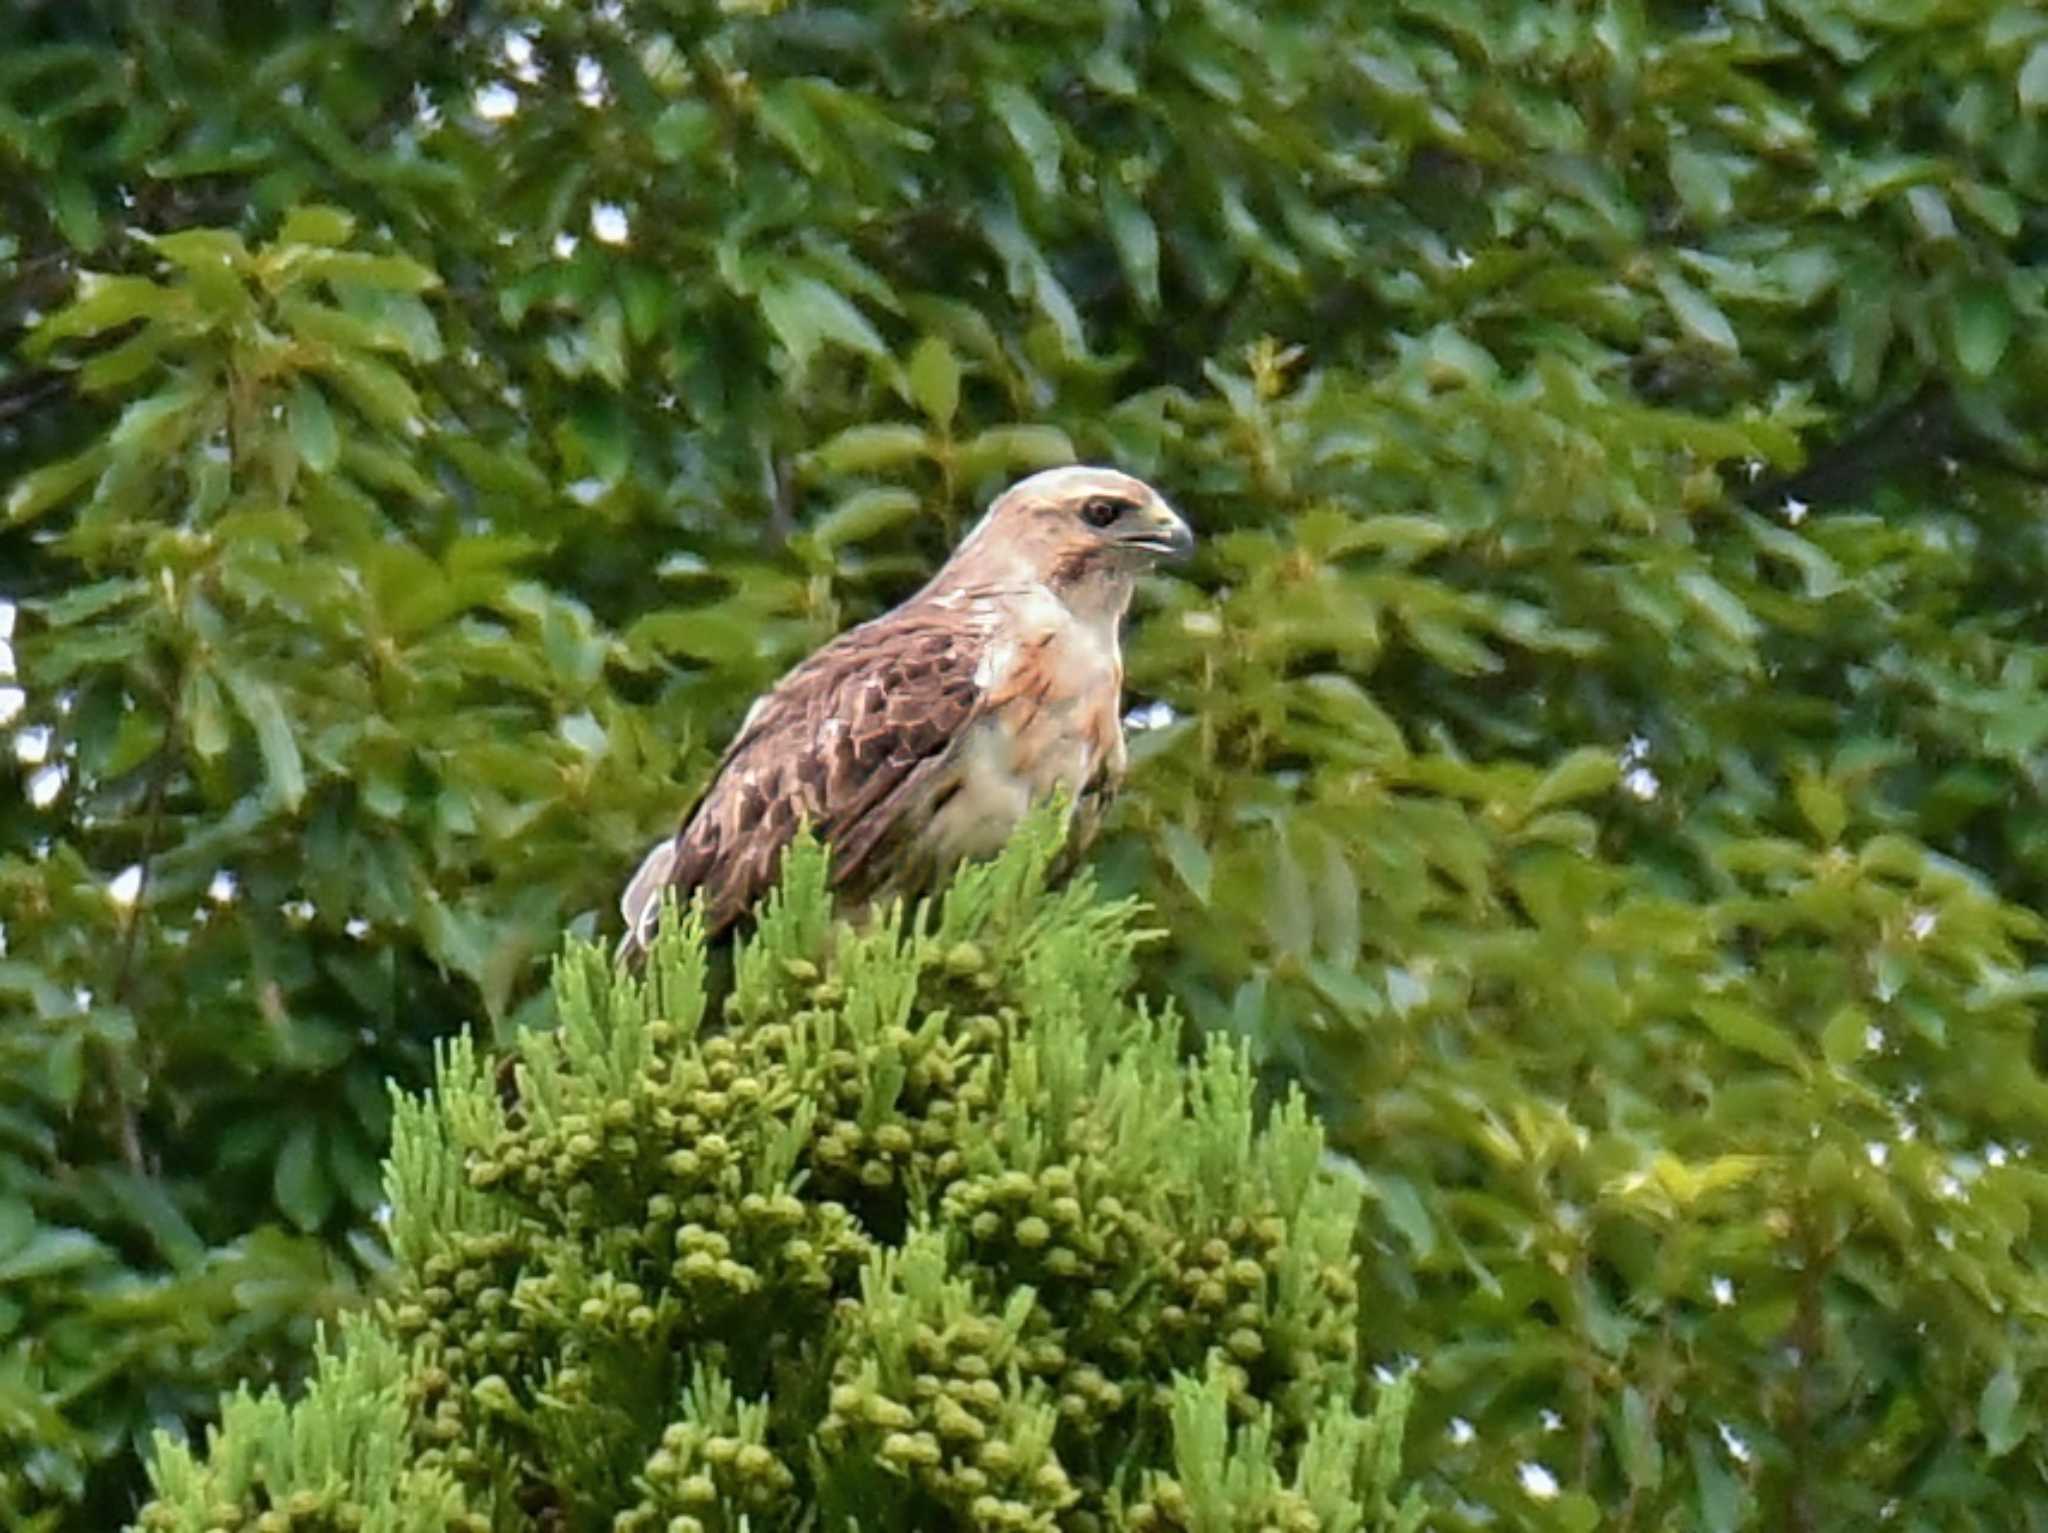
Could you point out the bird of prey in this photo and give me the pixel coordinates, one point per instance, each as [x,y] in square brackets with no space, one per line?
[921,738]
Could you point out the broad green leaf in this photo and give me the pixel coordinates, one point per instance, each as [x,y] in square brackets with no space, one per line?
[17,1224]
[1697,314]
[1451,645]
[205,714]
[1586,771]
[1033,131]
[934,377]
[682,130]
[1408,538]
[1014,450]
[1743,1027]
[299,1182]
[81,604]
[1642,1456]
[806,314]
[1860,338]
[1846,1037]
[786,112]
[148,1205]
[863,514]
[1703,183]
[2033,79]
[50,1251]
[104,303]
[599,430]
[1718,1491]
[53,485]
[1346,988]
[261,706]
[1720,606]
[203,249]
[106,371]
[378,390]
[864,449]
[1136,239]
[312,427]
[77,214]
[1189,858]
[1822,803]
[1931,212]
[316,224]
[1998,1414]
[1289,908]
[1405,1210]
[399,273]
[159,424]
[1983,328]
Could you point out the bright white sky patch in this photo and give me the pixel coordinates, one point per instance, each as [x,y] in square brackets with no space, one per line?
[1538,1483]
[1636,776]
[222,890]
[496,102]
[1724,1291]
[609,223]
[1732,1441]
[32,746]
[125,887]
[46,785]
[565,245]
[12,701]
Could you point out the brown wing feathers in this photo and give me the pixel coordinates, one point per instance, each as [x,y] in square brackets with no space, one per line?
[846,741]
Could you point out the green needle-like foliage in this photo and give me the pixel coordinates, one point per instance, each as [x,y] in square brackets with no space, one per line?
[925,1224]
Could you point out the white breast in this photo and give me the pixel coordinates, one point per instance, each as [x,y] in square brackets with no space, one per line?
[1048,728]
[989,797]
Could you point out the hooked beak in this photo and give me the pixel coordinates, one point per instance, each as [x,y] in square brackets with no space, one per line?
[1158,529]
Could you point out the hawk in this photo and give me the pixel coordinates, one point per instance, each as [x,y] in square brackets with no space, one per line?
[921,738]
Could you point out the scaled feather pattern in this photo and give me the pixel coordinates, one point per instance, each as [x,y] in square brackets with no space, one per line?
[923,737]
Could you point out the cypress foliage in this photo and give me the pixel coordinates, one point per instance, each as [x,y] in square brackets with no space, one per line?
[926,1225]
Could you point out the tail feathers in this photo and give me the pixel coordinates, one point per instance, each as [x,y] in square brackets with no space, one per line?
[640,902]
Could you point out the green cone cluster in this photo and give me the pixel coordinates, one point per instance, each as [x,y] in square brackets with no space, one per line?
[928,1226]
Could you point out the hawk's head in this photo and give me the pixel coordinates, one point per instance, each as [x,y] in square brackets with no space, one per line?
[1072,529]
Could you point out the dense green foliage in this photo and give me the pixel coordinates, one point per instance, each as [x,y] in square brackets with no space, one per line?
[1603,740]
[920,1226]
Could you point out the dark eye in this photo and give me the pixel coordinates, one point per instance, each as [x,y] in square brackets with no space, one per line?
[1102,511]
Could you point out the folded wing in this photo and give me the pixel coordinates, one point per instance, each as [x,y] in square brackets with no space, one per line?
[853,741]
